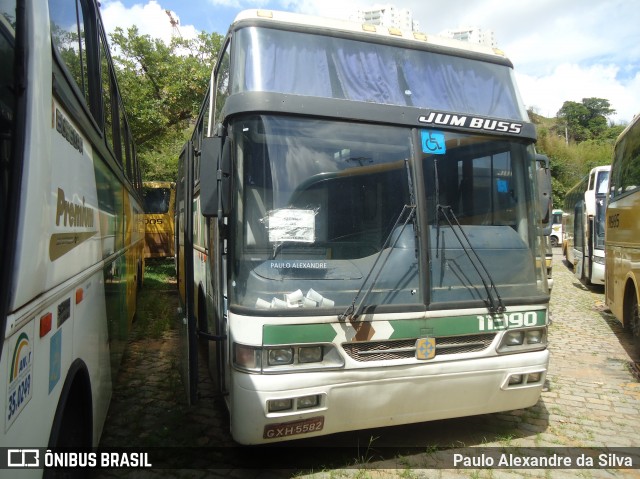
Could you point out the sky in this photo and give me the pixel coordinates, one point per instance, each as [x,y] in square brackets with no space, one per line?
[563,50]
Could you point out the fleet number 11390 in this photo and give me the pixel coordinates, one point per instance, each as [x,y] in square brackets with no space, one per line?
[487,322]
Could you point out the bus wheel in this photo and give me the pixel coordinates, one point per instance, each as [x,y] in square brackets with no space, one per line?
[632,318]
[72,429]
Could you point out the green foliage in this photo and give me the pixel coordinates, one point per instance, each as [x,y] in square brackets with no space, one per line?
[162,88]
[586,120]
[577,140]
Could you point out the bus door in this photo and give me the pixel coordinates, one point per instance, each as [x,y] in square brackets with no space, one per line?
[578,238]
[184,267]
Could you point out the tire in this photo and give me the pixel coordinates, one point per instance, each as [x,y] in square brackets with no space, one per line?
[632,318]
[72,430]
[554,242]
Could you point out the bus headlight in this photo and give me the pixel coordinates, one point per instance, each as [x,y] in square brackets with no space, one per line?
[534,336]
[311,354]
[520,340]
[280,356]
[513,338]
[286,358]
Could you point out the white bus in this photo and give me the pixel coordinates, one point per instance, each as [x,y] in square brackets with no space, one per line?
[623,232]
[583,225]
[71,222]
[372,252]
[556,228]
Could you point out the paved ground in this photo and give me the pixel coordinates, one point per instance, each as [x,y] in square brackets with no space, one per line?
[591,400]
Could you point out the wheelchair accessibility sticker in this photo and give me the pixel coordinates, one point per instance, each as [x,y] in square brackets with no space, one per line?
[433,142]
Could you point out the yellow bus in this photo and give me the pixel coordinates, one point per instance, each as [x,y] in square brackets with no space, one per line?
[622,243]
[159,208]
[71,229]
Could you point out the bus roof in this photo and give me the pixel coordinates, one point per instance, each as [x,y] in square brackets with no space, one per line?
[349,26]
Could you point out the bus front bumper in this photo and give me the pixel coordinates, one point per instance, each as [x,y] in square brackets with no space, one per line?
[350,399]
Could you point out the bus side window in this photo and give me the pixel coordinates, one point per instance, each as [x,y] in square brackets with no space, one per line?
[222,84]
[68,35]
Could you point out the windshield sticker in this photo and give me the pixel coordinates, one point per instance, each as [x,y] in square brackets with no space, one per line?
[290,224]
[433,142]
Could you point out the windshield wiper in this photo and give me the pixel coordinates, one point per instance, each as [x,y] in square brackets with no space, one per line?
[352,313]
[447,211]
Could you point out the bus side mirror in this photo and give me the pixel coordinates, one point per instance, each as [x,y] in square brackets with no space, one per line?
[215,177]
[544,192]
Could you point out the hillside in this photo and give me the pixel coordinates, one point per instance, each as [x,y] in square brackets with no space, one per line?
[571,160]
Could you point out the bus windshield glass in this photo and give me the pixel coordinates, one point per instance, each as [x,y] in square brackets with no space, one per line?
[480,207]
[156,200]
[329,67]
[320,205]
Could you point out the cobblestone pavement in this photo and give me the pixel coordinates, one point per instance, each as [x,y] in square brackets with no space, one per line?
[591,400]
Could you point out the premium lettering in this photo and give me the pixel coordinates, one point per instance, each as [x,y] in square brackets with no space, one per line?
[69,213]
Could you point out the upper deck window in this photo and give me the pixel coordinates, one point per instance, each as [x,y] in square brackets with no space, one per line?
[330,67]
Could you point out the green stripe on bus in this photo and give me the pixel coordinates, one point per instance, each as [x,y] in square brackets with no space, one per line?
[298,333]
[459,325]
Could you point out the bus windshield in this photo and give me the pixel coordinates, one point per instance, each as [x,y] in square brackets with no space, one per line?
[156,200]
[319,203]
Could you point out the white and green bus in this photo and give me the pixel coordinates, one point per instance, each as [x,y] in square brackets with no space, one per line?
[359,231]
[72,229]
[583,223]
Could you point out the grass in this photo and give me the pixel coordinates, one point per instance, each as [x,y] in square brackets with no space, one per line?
[157,301]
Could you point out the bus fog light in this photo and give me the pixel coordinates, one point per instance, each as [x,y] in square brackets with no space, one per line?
[515,379]
[310,354]
[280,356]
[246,357]
[275,405]
[513,338]
[306,402]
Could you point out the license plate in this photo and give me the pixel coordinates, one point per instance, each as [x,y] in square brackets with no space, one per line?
[293,428]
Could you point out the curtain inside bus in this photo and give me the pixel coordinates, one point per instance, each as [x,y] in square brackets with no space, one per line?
[314,65]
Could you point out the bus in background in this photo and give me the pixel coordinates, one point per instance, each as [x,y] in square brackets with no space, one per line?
[583,226]
[622,288]
[556,228]
[159,208]
[372,240]
[71,225]
[546,205]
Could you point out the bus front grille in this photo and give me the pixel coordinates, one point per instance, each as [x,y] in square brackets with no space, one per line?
[406,348]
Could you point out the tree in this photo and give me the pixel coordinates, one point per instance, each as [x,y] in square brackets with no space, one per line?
[162,88]
[586,120]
